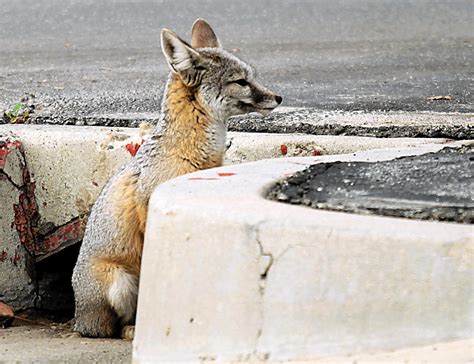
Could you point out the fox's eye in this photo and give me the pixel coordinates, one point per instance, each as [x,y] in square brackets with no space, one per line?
[241,82]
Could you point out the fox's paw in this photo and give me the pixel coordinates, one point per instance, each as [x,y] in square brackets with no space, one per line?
[128,332]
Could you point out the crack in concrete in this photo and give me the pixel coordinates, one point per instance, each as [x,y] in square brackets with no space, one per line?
[265,263]
[26,218]
[288,248]
[265,266]
[26,211]
[9,179]
[265,260]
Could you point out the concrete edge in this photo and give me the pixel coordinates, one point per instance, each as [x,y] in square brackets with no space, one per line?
[453,125]
[227,202]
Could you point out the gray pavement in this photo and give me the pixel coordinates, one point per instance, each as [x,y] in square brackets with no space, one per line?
[433,186]
[89,57]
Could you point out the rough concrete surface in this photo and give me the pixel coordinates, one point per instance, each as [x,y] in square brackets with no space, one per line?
[456,352]
[249,147]
[93,57]
[69,165]
[433,186]
[49,180]
[284,282]
[49,343]
[68,168]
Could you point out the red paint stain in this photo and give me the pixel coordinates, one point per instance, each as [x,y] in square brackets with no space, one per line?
[3,256]
[16,259]
[26,210]
[225,174]
[283,149]
[132,148]
[70,232]
[26,214]
[316,152]
[5,149]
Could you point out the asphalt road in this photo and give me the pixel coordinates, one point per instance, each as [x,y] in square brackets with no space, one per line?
[95,57]
[433,186]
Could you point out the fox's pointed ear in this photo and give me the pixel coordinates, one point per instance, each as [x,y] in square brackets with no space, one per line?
[202,35]
[179,55]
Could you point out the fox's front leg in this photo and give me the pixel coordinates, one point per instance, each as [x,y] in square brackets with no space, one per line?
[109,301]
[94,315]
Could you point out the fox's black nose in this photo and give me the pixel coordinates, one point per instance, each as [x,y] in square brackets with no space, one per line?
[278,99]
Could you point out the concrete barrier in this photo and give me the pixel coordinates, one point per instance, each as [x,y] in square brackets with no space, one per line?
[69,165]
[229,276]
[58,171]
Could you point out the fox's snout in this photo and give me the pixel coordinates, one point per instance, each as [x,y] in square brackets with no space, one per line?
[263,101]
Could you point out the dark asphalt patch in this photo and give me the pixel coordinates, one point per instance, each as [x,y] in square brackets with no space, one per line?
[434,186]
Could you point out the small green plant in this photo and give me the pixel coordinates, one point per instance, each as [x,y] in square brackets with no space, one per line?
[18,113]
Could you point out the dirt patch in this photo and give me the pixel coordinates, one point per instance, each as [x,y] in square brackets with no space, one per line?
[41,340]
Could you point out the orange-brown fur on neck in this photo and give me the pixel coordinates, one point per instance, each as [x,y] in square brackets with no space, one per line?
[130,212]
[189,125]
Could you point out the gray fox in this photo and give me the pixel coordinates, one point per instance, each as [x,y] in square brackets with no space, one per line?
[206,86]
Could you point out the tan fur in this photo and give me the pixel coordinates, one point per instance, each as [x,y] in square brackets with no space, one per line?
[130,211]
[190,124]
[131,214]
[104,271]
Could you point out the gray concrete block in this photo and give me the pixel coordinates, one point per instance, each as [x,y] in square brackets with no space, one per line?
[230,276]
[68,166]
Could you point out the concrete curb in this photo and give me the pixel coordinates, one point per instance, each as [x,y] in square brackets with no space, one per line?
[391,124]
[230,276]
[69,166]
[65,169]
